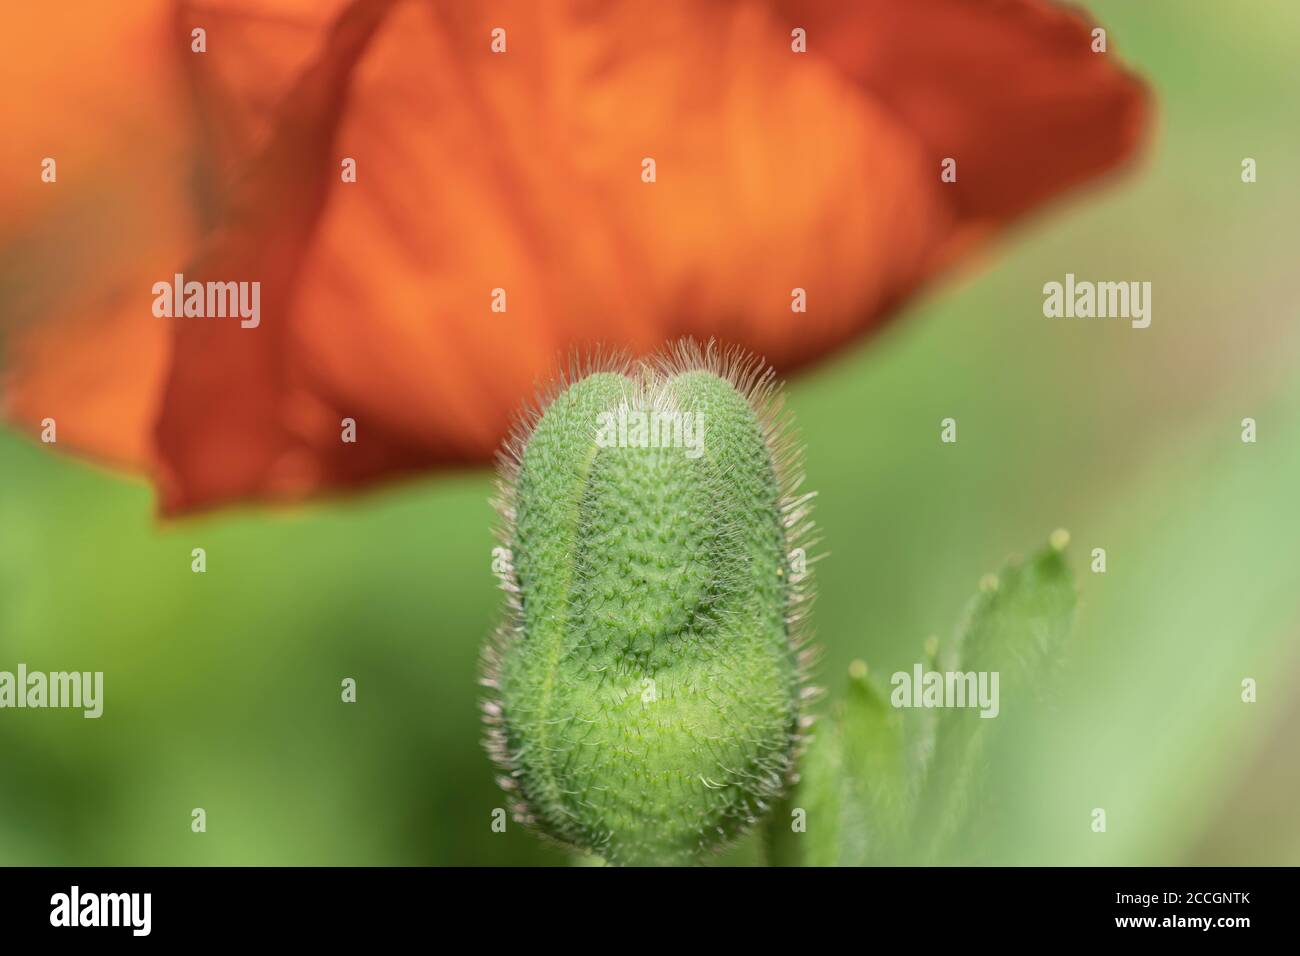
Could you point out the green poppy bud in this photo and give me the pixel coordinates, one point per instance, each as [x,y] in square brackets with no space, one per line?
[648,683]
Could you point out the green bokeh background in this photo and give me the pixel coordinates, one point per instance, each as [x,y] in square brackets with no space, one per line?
[222,689]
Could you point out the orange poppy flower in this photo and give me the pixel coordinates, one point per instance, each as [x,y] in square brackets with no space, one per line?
[438,200]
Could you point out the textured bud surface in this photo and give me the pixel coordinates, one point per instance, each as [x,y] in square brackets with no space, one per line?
[648,682]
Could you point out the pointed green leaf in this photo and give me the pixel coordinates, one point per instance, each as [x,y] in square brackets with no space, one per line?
[1015,628]
[850,800]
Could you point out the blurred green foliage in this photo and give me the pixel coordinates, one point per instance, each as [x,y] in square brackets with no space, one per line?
[865,796]
[222,689]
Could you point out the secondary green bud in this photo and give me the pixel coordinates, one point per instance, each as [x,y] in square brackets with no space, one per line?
[648,683]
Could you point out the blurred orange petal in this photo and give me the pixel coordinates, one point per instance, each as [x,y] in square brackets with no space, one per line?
[224,429]
[522,171]
[82,347]
[1010,88]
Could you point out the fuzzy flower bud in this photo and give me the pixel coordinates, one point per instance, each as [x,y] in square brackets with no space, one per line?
[647,685]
